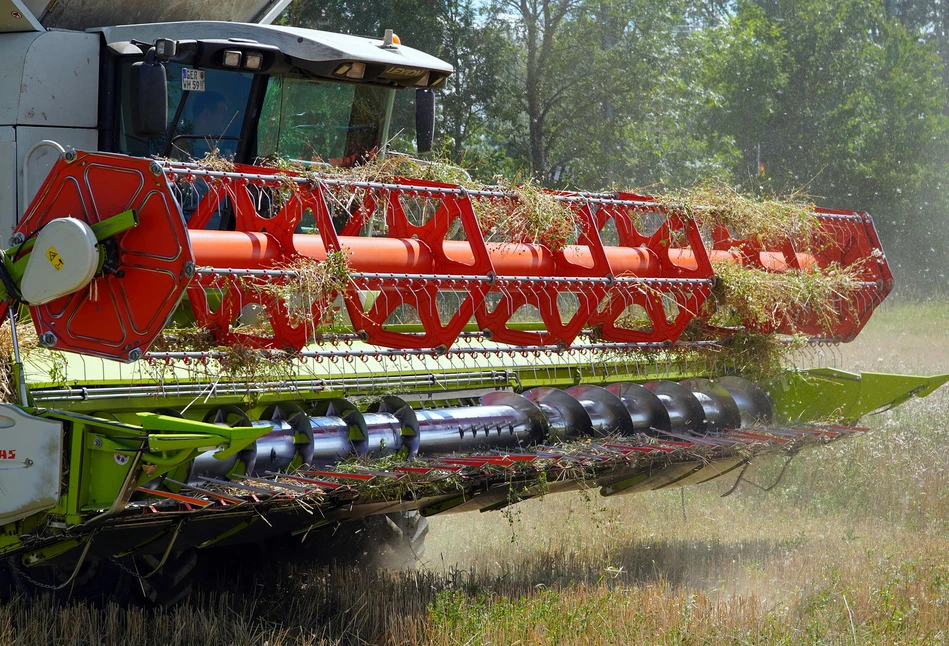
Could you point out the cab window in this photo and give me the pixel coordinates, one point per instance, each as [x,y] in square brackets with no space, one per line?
[316,121]
[209,119]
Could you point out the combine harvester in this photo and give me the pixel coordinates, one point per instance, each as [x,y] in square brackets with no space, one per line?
[227,353]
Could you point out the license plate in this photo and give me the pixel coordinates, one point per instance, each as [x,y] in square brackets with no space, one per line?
[192,80]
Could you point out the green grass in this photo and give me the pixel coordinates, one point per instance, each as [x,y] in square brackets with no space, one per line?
[849,549]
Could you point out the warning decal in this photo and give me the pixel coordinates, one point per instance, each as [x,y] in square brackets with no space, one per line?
[54,258]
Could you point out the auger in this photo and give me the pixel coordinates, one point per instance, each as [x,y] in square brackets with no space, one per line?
[232,350]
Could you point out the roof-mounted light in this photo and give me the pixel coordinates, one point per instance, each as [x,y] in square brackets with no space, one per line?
[166,48]
[232,57]
[253,60]
[351,70]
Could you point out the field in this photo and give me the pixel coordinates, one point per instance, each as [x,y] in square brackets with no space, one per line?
[848,549]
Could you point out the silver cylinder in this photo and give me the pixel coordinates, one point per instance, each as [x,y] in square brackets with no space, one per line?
[275,450]
[450,430]
[566,417]
[721,411]
[644,406]
[383,434]
[607,412]
[686,414]
[208,466]
[330,440]
[754,405]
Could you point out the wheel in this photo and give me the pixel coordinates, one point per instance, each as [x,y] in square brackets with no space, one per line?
[405,542]
[7,582]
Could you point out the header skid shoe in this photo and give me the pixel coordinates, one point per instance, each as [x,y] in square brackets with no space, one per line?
[141,272]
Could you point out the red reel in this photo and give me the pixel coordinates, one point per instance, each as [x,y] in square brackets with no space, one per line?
[146,268]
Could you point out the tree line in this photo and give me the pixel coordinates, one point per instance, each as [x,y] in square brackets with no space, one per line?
[843,100]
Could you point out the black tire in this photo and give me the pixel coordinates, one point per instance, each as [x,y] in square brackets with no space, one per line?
[104,581]
[405,544]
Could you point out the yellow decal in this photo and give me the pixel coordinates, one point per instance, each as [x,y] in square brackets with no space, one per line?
[53,256]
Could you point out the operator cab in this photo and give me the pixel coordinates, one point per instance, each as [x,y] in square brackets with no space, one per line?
[258,91]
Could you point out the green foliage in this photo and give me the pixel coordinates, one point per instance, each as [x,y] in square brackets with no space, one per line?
[840,99]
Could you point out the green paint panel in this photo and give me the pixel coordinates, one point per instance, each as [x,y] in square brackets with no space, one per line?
[828,394]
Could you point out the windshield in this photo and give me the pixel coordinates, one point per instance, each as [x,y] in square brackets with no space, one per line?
[300,118]
[316,121]
[208,117]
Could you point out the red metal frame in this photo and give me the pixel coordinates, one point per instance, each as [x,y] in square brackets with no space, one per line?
[123,310]
[433,258]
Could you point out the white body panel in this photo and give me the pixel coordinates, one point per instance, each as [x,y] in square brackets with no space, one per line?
[8,175]
[30,479]
[41,163]
[59,84]
[301,45]
[13,49]
[49,86]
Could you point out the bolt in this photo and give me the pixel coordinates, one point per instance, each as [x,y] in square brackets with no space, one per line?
[189,269]
[29,462]
[47,339]
[135,354]
[155,168]
[18,238]
[70,155]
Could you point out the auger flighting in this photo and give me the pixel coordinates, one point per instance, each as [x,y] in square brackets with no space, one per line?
[502,422]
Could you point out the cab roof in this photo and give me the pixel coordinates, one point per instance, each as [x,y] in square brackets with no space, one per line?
[317,52]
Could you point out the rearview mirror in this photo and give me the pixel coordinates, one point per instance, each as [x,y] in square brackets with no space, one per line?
[148,93]
[424,119]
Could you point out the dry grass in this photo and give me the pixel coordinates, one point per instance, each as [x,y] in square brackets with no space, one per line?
[313,287]
[533,216]
[765,299]
[528,214]
[850,548]
[768,220]
[756,298]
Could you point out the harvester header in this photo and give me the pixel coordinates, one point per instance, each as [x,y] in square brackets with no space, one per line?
[206,331]
[301,330]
